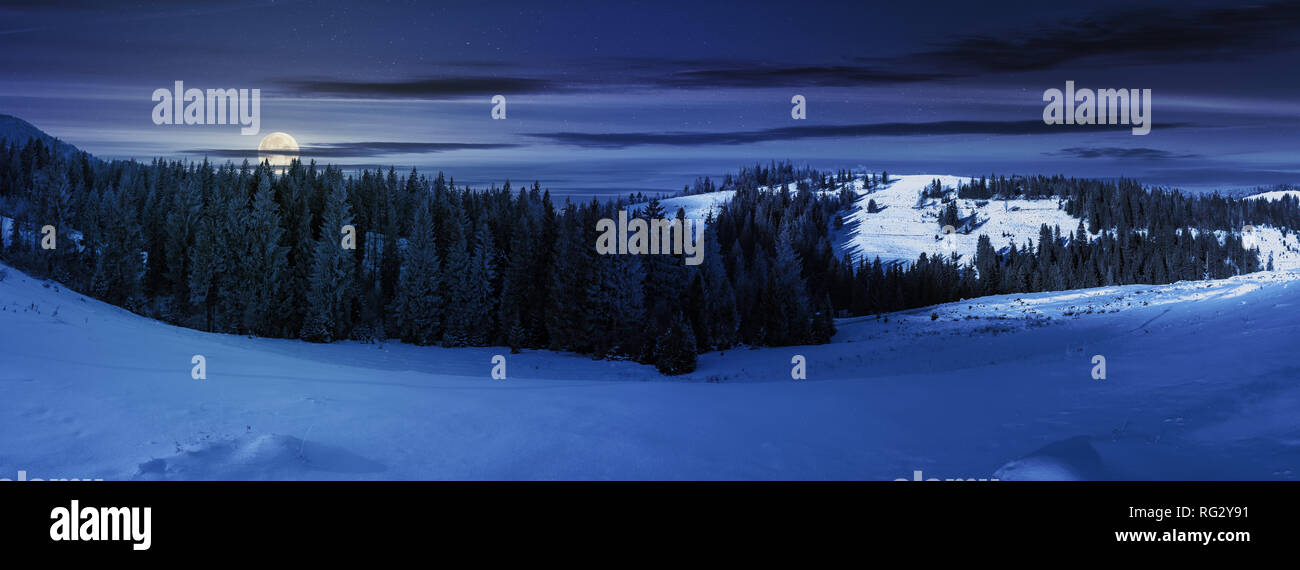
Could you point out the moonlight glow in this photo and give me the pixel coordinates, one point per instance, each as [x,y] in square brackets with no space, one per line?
[278,149]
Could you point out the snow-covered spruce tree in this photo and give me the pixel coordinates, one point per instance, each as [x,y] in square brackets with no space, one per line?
[987,264]
[675,349]
[232,221]
[416,310]
[157,202]
[207,260]
[823,322]
[264,263]
[456,274]
[180,226]
[331,284]
[720,318]
[950,216]
[786,299]
[56,193]
[617,306]
[480,306]
[666,276]
[568,306]
[301,249]
[390,255]
[518,277]
[118,264]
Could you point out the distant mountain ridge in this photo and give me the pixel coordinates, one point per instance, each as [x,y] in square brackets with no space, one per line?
[14,129]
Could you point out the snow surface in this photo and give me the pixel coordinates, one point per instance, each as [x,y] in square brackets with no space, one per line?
[1274,195]
[697,206]
[1201,384]
[904,226]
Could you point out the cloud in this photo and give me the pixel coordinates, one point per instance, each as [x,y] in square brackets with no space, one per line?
[1139,153]
[1130,37]
[808,75]
[620,140]
[354,149]
[1153,35]
[430,88]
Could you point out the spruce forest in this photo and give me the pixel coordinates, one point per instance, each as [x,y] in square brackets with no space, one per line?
[244,249]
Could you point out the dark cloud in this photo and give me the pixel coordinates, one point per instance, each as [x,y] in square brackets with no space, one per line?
[1130,38]
[354,149]
[1154,35]
[459,86]
[1139,153]
[818,76]
[620,140]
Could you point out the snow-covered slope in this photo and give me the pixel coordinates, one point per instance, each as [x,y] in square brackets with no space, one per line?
[697,206]
[1274,195]
[904,226]
[1201,384]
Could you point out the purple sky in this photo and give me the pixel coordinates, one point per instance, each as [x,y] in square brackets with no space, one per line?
[610,97]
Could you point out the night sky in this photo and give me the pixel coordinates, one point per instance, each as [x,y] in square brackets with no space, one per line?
[611,97]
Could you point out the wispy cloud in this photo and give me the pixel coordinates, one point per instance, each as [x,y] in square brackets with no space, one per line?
[354,149]
[620,140]
[1139,153]
[804,76]
[427,88]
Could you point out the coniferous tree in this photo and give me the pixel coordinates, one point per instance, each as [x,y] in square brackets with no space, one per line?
[568,304]
[458,268]
[480,306]
[418,305]
[330,294]
[617,306]
[720,317]
[518,277]
[786,295]
[675,349]
[207,261]
[182,221]
[263,264]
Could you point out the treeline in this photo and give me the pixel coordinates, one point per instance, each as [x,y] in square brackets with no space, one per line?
[244,249]
[1125,205]
[1057,263]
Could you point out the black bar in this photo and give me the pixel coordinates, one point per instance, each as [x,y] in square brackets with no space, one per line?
[287,517]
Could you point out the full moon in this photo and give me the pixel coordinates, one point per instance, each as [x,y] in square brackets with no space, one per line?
[278,148]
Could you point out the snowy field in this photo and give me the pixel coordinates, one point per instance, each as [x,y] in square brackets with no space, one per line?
[696,206]
[1274,195]
[1203,382]
[904,226]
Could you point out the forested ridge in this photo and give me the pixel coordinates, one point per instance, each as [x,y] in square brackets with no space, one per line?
[245,249]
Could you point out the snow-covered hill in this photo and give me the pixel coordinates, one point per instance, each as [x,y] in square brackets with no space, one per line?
[1200,385]
[697,206]
[14,130]
[903,225]
[1274,195]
